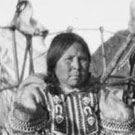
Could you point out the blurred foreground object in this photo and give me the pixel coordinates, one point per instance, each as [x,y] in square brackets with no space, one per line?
[22,46]
[117,118]
[22,50]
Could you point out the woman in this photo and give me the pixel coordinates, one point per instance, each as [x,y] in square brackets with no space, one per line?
[63,101]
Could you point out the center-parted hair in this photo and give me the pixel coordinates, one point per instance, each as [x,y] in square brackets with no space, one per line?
[59,45]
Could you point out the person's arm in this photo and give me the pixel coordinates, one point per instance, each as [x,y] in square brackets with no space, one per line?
[116,116]
[28,114]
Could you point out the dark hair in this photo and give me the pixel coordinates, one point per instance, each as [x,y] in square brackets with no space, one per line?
[59,45]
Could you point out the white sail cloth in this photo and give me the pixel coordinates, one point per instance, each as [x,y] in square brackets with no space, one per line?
[8,69]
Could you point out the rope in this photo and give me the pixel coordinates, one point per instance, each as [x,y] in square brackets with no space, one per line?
[73,29]
[101,29]
[44,33]
[15,54]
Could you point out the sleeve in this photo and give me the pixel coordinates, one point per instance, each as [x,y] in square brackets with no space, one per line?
[29,113]
[116,117]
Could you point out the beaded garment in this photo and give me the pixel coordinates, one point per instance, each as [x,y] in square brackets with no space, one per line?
[73,114]
[64,114]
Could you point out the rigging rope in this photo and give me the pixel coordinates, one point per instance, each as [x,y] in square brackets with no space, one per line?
[102,30]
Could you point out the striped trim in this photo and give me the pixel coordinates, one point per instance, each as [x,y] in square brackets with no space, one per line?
[27,127]
[109,132]
[70,125]
[114,125]
[73,111]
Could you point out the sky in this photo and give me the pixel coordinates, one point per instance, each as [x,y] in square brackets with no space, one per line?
[84,16]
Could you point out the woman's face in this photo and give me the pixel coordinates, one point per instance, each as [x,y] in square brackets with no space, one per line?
[72,69]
